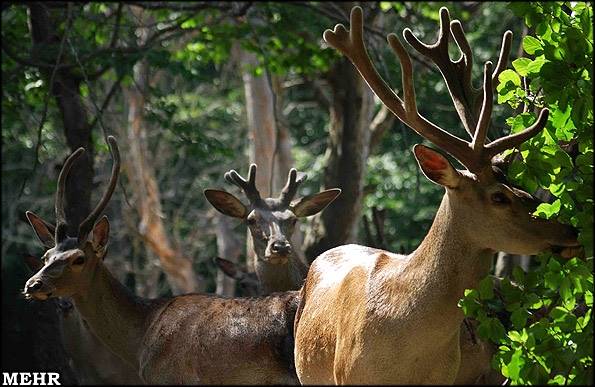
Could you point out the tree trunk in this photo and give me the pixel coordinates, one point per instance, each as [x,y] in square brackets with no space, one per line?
[177,267]
[270,143]
[284,159]
[49,353]
[228,247]
[65,89]
[347,150]
[506,262]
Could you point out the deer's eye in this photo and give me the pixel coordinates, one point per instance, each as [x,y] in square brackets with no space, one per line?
[79,261]
[251,221]
[500,198]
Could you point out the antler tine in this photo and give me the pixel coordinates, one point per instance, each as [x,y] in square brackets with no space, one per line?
[483,123]
[248,186]
[465,62]
[512,140]
[87,224]
[438,50]
[351,44]
[456,74]
[61,224]
[503,57]
[293,182]
[473,107]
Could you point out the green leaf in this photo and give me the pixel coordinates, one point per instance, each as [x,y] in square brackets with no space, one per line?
[518,274]
[565,290]
[486,288]
[520,65]
[535,66]
[517,361]
[548,210]
[532,46]
[509,76]
[519,318]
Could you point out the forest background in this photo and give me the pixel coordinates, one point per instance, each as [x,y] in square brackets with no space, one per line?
[194,89]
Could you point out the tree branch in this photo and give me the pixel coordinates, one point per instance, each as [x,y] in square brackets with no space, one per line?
[382,121]
[106,101]
[345,20]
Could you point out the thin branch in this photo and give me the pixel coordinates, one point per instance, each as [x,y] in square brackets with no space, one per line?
[345,20]
[116,32]
[107,99]
[181,6]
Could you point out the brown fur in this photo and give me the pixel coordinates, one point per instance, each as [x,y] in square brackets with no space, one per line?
[371,316]
[364,320]
[189,339]
[271,222]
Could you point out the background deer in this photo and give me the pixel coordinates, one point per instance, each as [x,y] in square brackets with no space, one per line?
[87,351]
[188,339]
[271,222]
[371,316]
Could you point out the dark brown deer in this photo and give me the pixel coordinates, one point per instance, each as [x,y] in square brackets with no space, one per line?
[271,222]
[83,348]
[188,339]
[369,316]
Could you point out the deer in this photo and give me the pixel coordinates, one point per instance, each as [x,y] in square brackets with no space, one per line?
[83,348]
[186,339]
[476,354]
[271,222]
[86,351]
[370,316]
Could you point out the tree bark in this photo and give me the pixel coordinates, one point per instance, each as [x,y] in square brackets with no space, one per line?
[228,247]
[177,267]
[270,142]
[49,353]
[346,154]
[65,89]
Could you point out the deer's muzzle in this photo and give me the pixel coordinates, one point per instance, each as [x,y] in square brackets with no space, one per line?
[36,288]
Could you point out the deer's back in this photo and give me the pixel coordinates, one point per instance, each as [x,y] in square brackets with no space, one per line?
[355,304]
[215,340]
[332,309]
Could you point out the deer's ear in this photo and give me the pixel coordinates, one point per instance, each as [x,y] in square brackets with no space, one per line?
[43,230]
[226,203]
[32,262]
[436,167]
[228,267]
[101,233]
[312,204]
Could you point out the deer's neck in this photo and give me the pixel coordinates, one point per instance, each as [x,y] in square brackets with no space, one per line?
[280,277]
[116,316]
[449,255]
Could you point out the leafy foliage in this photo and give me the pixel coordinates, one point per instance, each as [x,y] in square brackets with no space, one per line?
[547,331]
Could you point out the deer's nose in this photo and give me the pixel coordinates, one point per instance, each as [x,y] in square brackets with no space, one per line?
[281,247]
[33,286]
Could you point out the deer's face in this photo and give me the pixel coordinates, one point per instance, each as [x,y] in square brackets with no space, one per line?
[501,216]
[272,220]
[66,268]
[271,231]
[494,214]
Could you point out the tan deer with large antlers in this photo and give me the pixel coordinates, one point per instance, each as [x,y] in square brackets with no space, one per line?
[372,316]
[188,339]
[271,222]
